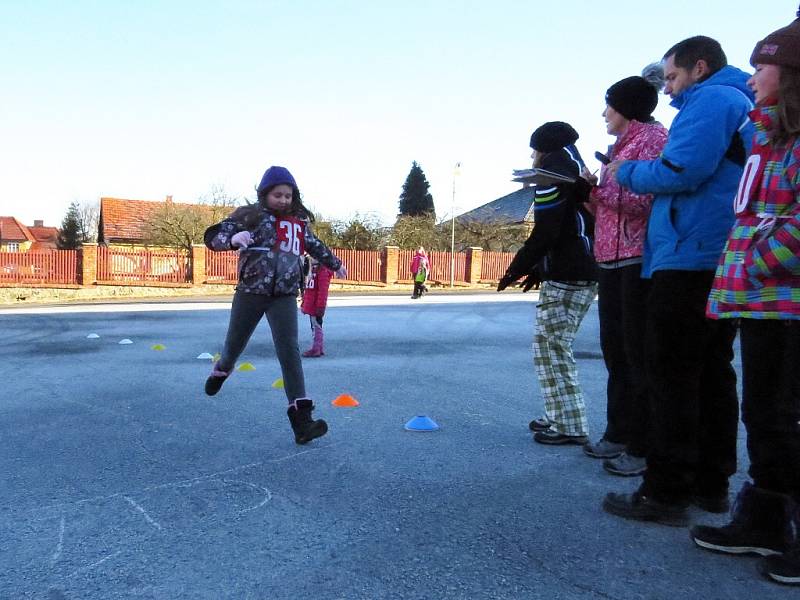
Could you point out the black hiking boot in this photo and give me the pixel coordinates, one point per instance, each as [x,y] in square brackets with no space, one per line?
[783,568]
[760,524]
[305,428]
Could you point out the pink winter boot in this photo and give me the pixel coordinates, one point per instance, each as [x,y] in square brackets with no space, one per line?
[316,346]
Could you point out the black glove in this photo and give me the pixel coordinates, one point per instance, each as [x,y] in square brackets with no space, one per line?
[505,281]
[532,280]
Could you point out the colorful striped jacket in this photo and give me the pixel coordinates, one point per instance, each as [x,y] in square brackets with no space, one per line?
[758,276]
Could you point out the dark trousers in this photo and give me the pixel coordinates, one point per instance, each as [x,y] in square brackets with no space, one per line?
[622,300]
[281,312]
[695,413]
[771,402]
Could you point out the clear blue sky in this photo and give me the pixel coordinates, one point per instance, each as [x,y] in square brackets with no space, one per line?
[148,98]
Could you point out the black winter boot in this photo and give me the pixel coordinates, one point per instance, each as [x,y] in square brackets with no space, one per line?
[783,568]
[305,428]
[761,523]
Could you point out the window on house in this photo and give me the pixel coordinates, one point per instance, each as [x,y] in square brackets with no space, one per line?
[12,247]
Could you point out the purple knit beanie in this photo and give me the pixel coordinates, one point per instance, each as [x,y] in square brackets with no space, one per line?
[276,176]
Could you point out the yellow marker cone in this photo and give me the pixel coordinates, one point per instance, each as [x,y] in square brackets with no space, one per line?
[344,400]
[158,347]
[278,383]
[246,367]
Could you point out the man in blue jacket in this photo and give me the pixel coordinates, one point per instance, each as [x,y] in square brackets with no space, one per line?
[688,357]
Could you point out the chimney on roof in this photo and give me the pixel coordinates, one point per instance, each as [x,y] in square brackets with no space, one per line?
[169,200]
[38,223]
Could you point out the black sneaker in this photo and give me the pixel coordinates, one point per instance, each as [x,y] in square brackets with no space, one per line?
[639,507]
[783,568]
[541,424]
[551,436]
[736,538]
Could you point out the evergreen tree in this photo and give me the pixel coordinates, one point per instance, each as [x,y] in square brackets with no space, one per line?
[70,236]
[415,201]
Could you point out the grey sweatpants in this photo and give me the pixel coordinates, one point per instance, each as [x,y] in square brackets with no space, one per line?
[281,312]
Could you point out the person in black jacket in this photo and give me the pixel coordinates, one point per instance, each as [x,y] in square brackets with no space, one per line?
[558,254]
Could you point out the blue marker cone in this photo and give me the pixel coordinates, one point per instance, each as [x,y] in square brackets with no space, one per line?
[421,423]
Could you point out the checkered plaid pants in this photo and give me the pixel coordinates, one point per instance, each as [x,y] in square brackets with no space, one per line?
[559,313]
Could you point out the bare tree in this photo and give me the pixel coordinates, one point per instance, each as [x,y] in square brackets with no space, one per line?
[412,232]
[88,218]
[361,232]
[498,236]
[172,224]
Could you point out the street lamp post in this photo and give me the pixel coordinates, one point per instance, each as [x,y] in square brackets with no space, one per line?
[453,226]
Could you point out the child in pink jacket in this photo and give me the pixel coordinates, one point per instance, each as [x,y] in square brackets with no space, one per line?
[420,268]
[315,299]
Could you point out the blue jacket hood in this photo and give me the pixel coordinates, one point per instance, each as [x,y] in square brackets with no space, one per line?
[728,75]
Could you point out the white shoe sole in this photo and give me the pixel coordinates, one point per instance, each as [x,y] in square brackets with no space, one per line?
[735,549]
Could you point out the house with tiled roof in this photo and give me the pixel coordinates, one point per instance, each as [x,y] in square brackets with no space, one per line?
[45,238]
[14,236]
[125,221]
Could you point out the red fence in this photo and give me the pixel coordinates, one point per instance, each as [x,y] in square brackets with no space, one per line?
[221,267]
[494,265]
[51,267]
[169,267]
[142,267]
[362,265]
[440,266]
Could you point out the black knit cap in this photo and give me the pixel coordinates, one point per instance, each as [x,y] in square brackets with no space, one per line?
[634,98]
[781,47]
[553,136]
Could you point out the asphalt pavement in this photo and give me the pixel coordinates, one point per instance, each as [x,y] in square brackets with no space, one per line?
[123,480]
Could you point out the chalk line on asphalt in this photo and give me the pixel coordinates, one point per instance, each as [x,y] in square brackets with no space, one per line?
[141,509]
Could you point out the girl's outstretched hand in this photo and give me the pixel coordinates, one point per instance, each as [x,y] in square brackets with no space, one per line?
[242,239]
[342,272]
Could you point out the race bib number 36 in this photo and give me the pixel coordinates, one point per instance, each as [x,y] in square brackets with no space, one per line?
[290,236]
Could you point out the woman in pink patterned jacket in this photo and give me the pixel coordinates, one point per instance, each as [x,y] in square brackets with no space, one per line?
[620,227]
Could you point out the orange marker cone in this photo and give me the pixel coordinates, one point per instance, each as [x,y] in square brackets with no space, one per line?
[344,400]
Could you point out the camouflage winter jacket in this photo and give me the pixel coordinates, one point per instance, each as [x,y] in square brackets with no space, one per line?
[272,265]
